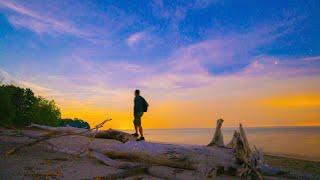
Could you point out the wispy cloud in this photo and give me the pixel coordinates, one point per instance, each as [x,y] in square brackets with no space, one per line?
[135,38]
[6,78]
[143,39]
[231,48]
[39,23]
[283,66]
[176,13]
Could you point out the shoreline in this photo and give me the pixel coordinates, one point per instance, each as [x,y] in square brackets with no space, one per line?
[227,127]
[296,157]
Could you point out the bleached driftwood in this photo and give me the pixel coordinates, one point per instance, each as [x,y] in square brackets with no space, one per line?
[110,162]
[164,172]
[217,138]
[55,132]
[105,134]
[245,140]
[246,160]
[232,144]
[72,130]
[67,129]
[155,172]
[199,160]
[115,134]
[257,158]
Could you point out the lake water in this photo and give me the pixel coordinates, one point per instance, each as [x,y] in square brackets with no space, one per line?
[299,142]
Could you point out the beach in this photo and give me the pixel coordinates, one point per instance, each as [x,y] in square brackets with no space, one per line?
[41,162]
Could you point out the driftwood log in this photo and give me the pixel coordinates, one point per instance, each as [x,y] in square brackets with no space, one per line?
[105,134]
[108,146]
[247,163]
[203,160]
[232,144]
[217,137]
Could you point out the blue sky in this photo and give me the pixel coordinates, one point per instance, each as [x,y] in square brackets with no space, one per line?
[49,30]
[96,52]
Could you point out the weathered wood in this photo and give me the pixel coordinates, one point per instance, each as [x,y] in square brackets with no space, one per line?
[105,134]
[67,129]
[115,134]
[199,158]
[245,140]
[55,132]
[232,144]
[110,162]
[169,173]
[108,145]
[246,160]
[218,137]
[72,130]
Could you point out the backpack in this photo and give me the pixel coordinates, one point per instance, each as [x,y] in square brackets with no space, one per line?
[144,105]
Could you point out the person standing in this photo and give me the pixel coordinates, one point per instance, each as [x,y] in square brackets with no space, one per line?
[140,106]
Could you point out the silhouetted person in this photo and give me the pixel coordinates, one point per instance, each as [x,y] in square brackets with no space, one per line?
[140,106]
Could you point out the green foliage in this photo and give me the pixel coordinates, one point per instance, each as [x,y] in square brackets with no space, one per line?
[79,123]
[19,108]
[45,112]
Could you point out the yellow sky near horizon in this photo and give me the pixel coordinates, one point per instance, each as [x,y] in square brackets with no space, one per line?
[263,110]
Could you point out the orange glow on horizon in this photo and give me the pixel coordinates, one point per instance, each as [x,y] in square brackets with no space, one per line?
[273,111]
[294,101]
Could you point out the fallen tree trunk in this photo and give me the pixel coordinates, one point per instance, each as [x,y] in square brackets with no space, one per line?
[204,161]
[115,134]
[199,158]
[111,162]
[164,172]
[105,134]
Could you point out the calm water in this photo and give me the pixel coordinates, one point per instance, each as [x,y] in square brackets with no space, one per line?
[300,142]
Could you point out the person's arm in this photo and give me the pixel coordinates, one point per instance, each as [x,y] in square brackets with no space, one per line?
[134,105]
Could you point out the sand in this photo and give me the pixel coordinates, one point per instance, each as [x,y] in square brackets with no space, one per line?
[298,168]
[38,161]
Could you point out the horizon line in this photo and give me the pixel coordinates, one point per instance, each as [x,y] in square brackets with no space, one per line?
[287,126]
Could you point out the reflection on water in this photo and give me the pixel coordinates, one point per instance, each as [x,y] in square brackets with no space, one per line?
[301,142]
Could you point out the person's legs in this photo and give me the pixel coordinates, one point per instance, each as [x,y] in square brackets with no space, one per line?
[141,131]
[136,128]
[136,124]
[140,127]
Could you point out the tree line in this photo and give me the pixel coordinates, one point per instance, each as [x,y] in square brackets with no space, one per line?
[19,107]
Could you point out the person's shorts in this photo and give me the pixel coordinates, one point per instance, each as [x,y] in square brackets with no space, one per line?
[137,118]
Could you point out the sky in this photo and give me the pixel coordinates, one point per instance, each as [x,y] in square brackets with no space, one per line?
[250,62]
